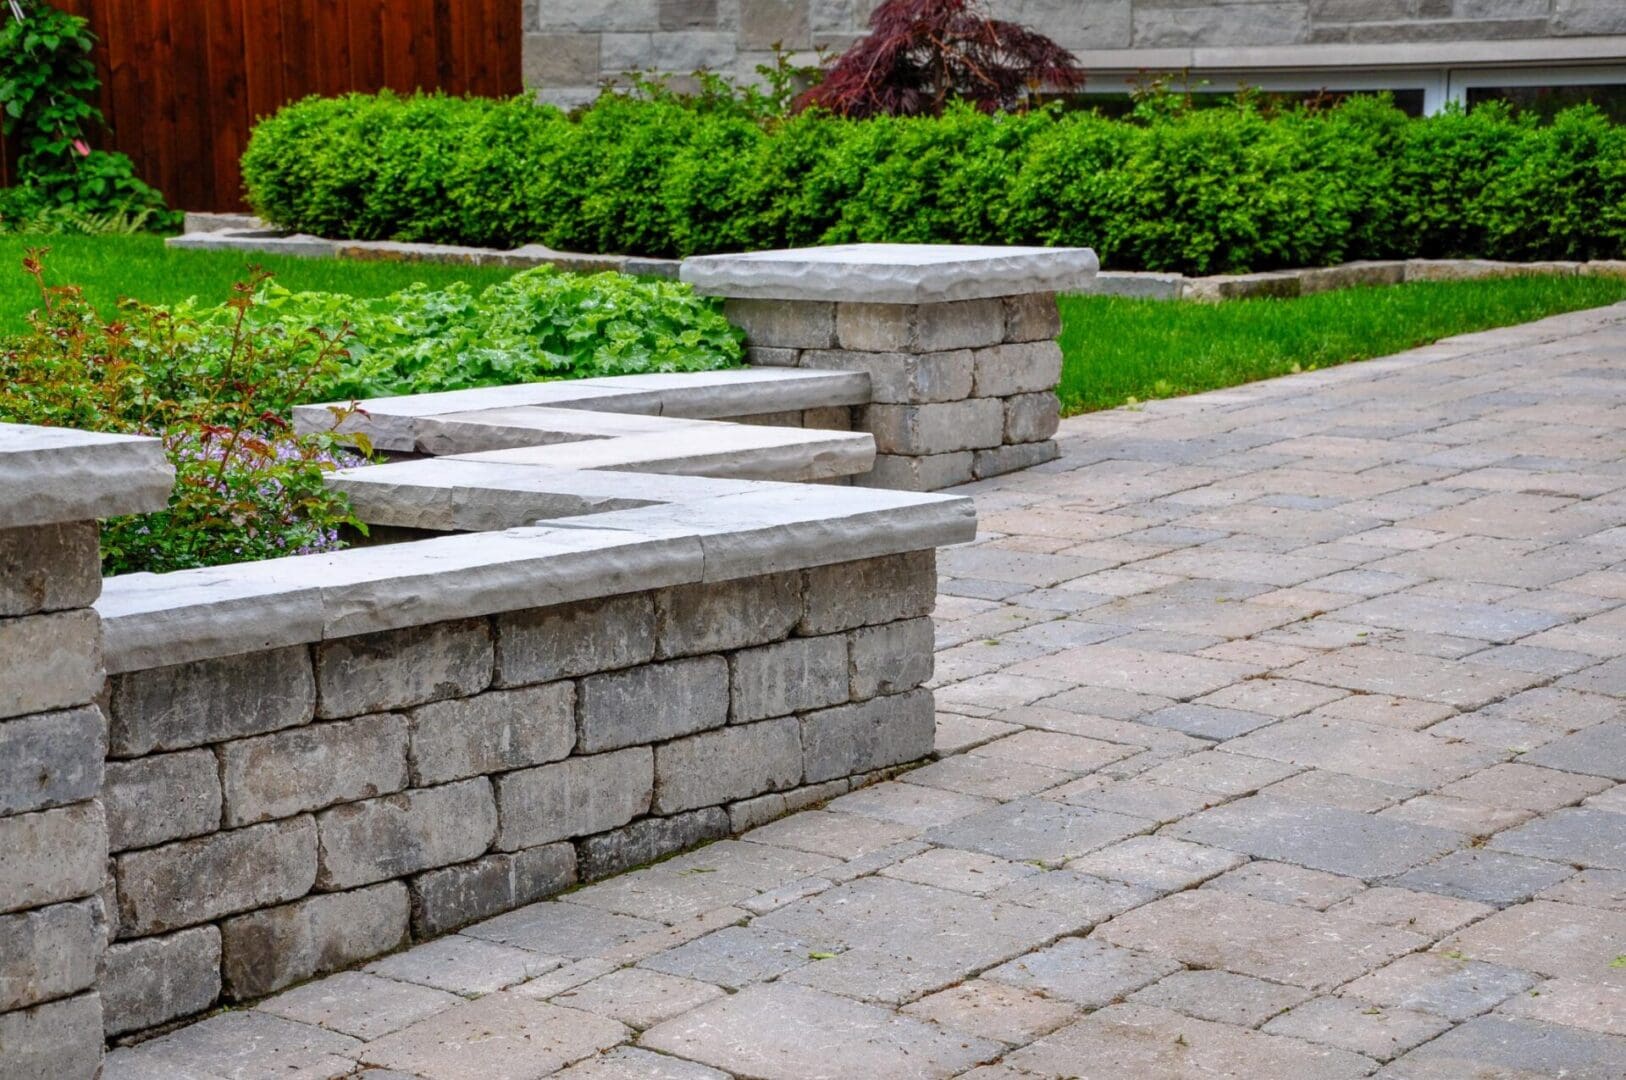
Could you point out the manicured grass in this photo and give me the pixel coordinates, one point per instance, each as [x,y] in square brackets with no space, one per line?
[1116,349]
[110,267]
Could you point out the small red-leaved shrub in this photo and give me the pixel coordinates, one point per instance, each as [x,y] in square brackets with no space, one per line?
[921,55]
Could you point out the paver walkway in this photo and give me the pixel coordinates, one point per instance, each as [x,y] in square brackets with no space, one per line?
[1283,734]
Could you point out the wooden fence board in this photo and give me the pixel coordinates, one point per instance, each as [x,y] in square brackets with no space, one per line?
[184,80]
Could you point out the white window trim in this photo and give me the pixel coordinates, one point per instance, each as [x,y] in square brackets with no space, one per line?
[1440,86]
[1459,80]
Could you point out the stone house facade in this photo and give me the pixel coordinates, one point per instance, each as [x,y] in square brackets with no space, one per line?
[1429,52]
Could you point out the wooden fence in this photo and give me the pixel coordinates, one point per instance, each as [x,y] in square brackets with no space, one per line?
[184,80]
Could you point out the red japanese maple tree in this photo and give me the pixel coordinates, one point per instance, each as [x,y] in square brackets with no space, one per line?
[922,54]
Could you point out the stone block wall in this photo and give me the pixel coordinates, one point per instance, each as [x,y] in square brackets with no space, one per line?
[960,389]
[54,484]
[570,47]
[53,838]
[283,813]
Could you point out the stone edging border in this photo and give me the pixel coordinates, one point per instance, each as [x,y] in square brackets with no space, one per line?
[244,232]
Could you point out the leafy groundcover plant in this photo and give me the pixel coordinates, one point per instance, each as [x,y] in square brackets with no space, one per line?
[246,486]
[539,324]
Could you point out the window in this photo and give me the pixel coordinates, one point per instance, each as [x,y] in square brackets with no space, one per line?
[1547,92]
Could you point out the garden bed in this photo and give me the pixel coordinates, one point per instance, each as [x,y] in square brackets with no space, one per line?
[218,383]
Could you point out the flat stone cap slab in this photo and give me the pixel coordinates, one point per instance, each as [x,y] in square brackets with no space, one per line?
[51,475]
[891,273]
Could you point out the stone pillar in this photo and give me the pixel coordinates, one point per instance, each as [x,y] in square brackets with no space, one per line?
[959,343]
[54,484]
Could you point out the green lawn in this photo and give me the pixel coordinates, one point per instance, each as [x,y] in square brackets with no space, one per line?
[1116,349]
[110,267]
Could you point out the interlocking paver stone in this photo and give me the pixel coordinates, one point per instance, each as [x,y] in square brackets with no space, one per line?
[1158,862]
[1355,1026]
[1143,1040]
[734,956]
[1313,949]
[252,1045]
[1591,888]
[500,1035]
[638,998]
[1135,796]
[360,1005]
[631,1063]
[1489,877]
[1557,940]
[1573,1004]
[1085,971]
[991,778]
[910,804]
[1038,829]
[1599,750]
[1284,883]
[560,929]
[1208,721]
[1525,787]
[1056,751]
[1424,913]
[1393,755]
[1220,773]
[1318,837]
[1444,985]
[781,1032]
[993,1010]
[961,871]
[1582,836]
[1430,615]
[1086,900]
[1221,997]
[1375,670]
[1494,1046]
[464,965]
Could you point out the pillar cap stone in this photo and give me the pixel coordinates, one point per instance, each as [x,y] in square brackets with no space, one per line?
[891,273]
[53,475]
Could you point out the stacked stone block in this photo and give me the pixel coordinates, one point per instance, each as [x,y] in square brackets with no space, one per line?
[53,842]
[54,484]
[960,389]
[288,812]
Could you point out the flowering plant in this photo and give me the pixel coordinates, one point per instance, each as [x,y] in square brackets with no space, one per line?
[247,486]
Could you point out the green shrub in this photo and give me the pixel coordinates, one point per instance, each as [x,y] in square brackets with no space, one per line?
[47,84]
[1199,190]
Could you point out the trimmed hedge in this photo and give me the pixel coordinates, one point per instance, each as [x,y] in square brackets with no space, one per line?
[1193,190]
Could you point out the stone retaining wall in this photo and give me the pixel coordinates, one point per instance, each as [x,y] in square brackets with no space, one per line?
[281,813]
[53,737]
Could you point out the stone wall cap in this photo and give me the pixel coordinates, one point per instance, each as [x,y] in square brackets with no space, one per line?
[891,273]
[728,531]
[400,423]
[50,475]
